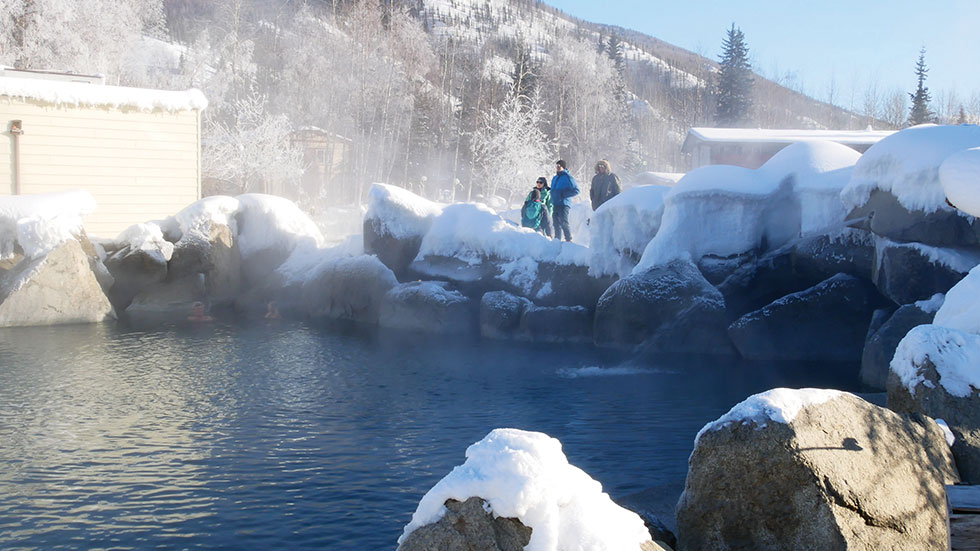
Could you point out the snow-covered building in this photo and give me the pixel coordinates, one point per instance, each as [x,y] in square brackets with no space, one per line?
[752,147]
[136,151]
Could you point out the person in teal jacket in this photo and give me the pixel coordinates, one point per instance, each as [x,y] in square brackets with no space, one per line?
[563,188]
[542,186]
[531,211]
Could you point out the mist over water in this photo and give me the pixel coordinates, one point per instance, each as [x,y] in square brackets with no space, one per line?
[306,437]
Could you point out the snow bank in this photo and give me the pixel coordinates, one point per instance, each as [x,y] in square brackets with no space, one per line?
[779,405]
[820,171]
[525,475]
[472,232]
[198,217]
[961,309]
[960,177]
[623,226]
[955,354]
[62,93]
[727,210]
[147,237]
[399,211]
[907,164]
[270,222]
[40,223]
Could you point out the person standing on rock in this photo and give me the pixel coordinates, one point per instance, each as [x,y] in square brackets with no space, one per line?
[563,188]
[605,184]
[541,186]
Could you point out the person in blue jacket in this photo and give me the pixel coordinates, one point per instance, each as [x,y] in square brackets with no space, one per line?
[563,188]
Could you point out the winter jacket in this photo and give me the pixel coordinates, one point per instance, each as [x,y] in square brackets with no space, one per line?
[604,187]
[531,213]
[563,188]
[545,198]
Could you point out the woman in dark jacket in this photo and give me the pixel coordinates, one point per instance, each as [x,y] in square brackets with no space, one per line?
[605,184]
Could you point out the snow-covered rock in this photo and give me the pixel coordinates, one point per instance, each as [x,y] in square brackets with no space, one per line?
[795,469]
[395,222]
[335,286]
[841,250]
[622,227]
[525,476]
[669,308]
[757,283]
[727,210]
[936,372]
[57,287]
[33,225]
[906,164]
[501,313]
[827,322]
[428,306]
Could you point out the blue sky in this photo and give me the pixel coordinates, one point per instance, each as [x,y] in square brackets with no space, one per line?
[850,43]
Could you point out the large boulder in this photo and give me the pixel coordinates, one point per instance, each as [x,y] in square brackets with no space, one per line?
[430,307]
[883,339]
[884,215]
[756,284]
[827,322]
[846,250]
[58,287]
[394,225]
[168,300]
[815,469]
[545,282]
[469,525]
[348,289]
[936,372]
[215,255]
[667,308]
[133,269]
[501,313]
[907,272]
[556,324]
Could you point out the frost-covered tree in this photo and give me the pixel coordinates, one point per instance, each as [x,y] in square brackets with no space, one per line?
[734,89]
[82,36]
[249,151]
[511,150]
[920,112]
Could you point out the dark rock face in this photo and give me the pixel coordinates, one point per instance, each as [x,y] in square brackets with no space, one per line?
[883,339]
[501,313]
[545,283]
[905,273]
[842,475]
[168,300]
[349,289]
[827,322]
[133,270]
[848,251]
[669,308]
[715,269]
[468,526]
[557,324]
[930,397]
[430,307]
[944,228]
[757,284]
[394,252]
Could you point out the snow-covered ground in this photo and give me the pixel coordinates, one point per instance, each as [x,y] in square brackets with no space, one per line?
[525,475]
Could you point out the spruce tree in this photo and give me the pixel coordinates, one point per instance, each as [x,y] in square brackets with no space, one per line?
[734,90]
[920,113]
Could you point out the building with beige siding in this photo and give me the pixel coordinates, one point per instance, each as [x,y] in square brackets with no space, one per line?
[137,151]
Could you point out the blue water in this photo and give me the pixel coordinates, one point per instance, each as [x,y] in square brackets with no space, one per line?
[295,436]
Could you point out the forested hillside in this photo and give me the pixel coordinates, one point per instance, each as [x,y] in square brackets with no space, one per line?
[453,99]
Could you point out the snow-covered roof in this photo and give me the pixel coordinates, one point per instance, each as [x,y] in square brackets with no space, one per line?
[770,135]
[76,94]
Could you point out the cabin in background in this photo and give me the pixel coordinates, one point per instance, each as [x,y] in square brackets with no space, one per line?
[137,151]
[752,147]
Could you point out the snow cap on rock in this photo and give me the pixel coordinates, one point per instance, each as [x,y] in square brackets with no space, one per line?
[955,354]
[960,178]
[525,475]
[40,223]
[399,211]
[779,405]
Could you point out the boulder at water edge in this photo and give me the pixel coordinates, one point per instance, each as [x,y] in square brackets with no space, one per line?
[347,288]
[469,525]
[815,469]
[936,372]
[883,339]
[216,256]
[842,251]
[501,313]
[135,269]
[907,272]
[58,287]
[428,306]
[827,322]
[507,316]
[394,225]
[944,227]
[669,308]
